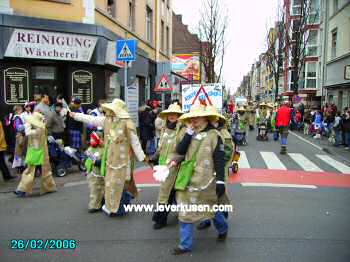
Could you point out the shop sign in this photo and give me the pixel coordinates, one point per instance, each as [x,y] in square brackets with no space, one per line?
[16,86]
[50,45]
[82,86]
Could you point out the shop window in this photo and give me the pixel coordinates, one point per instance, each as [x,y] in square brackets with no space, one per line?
[44,72]
[112,88]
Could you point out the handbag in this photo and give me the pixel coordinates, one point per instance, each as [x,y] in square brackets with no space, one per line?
[35,156]
[186,171]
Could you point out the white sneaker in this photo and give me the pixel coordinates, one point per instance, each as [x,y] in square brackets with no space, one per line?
[347,148]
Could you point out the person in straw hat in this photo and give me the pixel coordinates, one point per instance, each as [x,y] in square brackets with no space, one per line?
[205,182]
[219,122]
[251,115]
[37,156]
[121,147]
[171,134]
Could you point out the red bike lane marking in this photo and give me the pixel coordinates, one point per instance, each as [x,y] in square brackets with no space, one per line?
[321,179]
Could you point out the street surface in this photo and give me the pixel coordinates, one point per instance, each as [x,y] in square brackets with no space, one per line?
[287,208]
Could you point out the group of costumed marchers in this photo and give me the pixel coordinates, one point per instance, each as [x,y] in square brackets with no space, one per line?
[195,151]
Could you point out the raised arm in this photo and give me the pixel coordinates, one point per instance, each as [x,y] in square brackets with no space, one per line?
[87,119]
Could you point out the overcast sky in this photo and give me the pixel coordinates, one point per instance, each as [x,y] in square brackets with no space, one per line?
[249,20]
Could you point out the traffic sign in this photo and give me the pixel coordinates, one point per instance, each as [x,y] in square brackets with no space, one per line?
[164,84]
[126,50]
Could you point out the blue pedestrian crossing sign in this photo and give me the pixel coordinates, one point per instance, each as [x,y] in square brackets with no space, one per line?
[126,50]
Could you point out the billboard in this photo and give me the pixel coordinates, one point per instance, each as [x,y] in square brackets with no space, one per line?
[210,94]
[186,65]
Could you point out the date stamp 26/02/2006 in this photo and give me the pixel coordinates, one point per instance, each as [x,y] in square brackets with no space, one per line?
[43,244]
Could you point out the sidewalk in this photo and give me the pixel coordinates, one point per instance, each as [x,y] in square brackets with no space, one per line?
[323,143]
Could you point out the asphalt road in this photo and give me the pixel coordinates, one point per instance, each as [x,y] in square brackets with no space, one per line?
[269,224]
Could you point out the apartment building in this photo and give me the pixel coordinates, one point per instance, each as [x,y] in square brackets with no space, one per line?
[68,47]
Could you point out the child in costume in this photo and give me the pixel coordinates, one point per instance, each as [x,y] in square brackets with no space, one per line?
[93,168]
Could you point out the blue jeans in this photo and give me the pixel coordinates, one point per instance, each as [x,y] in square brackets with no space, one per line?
[338,137]
[347,139]
[186,230]
[125,200]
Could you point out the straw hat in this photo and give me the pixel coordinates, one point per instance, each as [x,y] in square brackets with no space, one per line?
[241,109]
[118,107]
[269,105]
[197,111]
[216,115]
[36,119]
[262,104]
[172,109]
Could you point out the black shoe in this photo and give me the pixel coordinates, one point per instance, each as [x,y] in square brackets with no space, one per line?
[157,226]
[204,224]
[179,251]
[19,193]
[222,237]
[94,210]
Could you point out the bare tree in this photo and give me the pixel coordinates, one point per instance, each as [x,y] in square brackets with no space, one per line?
[275,49]
[212,30]
[297,38]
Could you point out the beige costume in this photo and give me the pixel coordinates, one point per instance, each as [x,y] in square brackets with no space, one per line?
[36,132]
[122,146]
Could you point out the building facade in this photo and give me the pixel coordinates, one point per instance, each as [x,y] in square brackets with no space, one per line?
[68,47]
[336,57]
[309,71]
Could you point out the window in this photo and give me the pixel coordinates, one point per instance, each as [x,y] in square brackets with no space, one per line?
[311,49]
[111,7]
[335,6]
[296,7]
[311,75]
[167,40]
[132,15]
[296,24]
[334,44]
[314,15]
[162,36]
[149,24]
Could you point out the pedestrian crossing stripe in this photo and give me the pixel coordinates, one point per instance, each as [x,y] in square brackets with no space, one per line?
[334,163]
[273,162]
[125,52]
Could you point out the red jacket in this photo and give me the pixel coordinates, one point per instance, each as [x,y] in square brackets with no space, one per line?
[284,115]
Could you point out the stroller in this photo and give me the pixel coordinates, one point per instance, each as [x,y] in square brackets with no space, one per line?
[63,158]
[262,132]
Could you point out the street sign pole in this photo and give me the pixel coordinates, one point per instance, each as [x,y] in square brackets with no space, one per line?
[126,82]
[163,101]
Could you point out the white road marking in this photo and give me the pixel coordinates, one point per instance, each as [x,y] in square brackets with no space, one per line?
[336,164]
[147,185]
[272,161]
[243,160]
[278,185]
[304,163]
[78,183]
[306,141]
